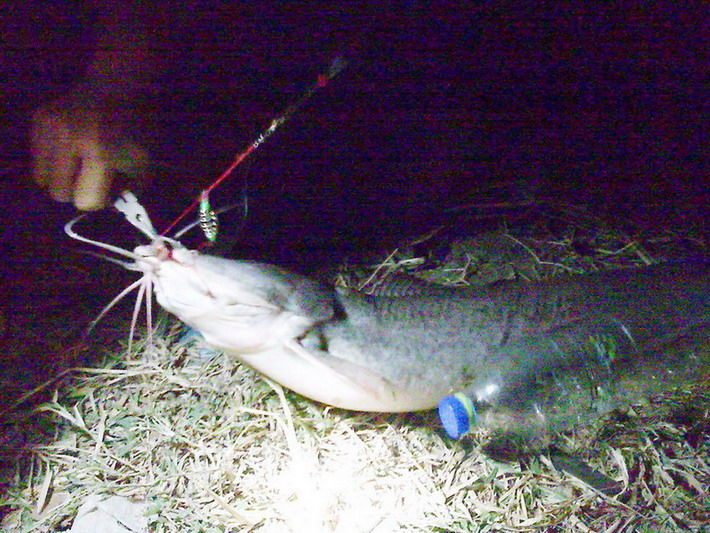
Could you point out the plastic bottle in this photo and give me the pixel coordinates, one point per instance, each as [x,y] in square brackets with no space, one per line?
[557,393]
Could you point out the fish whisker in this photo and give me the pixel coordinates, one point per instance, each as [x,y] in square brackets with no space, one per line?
[68,229]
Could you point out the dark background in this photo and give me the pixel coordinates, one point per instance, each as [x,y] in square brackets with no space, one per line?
[595,104]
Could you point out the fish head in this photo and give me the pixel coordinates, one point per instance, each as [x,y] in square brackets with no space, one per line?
[238,306]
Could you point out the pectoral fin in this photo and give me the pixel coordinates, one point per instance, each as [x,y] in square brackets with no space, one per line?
[356,376]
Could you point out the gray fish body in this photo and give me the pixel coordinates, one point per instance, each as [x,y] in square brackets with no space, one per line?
[514,345]
[484,327]
[502,344]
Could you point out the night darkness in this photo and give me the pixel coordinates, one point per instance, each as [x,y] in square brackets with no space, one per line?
[554,100]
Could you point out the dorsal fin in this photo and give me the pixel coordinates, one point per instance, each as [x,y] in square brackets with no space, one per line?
[401,285]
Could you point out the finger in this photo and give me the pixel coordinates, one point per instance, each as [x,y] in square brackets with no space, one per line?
[43,142]
[131,168]
[134,160]
[94,179]
[64,161]
[54,156]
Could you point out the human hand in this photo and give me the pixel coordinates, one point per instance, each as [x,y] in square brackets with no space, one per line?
[83,144]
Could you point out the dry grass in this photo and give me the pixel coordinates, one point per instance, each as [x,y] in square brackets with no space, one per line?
[213,447]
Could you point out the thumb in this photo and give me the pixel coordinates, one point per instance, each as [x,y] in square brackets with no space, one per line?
[93,180]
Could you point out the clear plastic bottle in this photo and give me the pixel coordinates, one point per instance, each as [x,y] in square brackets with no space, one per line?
[565,378]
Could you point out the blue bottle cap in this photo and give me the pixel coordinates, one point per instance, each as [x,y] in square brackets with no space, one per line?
[457,414]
